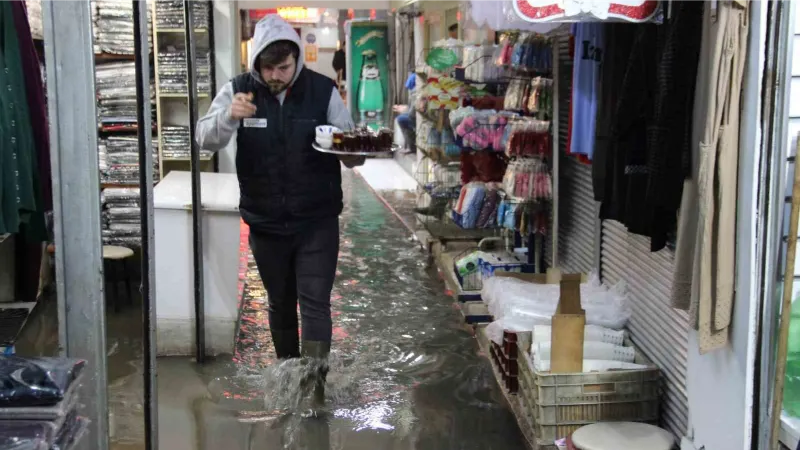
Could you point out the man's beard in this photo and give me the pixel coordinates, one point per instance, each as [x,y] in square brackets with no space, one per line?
[276,87]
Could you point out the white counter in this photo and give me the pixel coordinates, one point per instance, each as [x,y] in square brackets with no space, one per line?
[174,267]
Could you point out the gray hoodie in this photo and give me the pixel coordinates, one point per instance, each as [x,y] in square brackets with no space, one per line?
[215,129]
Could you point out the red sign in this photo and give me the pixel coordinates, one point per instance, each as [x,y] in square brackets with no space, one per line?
[555,10]
[258,14]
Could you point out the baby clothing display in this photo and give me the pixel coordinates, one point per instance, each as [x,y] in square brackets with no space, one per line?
[528,179]
[529,52]
[479,65]
[528,137]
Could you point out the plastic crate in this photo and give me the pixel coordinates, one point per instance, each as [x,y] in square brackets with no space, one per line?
[562,403]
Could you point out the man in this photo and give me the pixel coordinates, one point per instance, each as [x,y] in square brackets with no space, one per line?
[453,31]
[340,63]
[407,117]
[291,195]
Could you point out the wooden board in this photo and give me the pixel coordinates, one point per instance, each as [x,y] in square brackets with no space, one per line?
[568,327]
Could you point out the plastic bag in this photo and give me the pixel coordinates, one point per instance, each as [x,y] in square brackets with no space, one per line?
[72,430]
[36,381]
[520,306]
[24,435]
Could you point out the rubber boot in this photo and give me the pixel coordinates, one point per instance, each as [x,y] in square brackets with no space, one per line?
[317,354]
[287,343]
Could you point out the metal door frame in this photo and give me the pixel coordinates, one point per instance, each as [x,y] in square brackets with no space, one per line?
[72,115]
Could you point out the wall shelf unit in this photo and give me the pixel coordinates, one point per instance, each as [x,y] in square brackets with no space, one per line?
[169,62]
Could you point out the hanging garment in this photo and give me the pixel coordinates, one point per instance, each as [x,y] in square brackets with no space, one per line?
[619,41]
[19,177]
[587,63]
[704,275]
[626,162]
[669,134]
[34,90]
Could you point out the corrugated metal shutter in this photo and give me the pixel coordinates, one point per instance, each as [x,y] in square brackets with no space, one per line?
[656,328]
[576,210]
[577,219]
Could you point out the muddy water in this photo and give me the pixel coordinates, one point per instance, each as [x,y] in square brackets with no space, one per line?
[405,373]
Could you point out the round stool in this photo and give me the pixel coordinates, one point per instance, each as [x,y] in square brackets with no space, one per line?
[622,436]
[116,256]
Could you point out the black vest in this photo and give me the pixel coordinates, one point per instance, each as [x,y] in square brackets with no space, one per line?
[285,184]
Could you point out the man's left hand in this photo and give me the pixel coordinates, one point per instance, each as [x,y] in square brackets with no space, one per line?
[351,161]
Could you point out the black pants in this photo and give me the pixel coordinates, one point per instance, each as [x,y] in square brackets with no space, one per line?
[300,266]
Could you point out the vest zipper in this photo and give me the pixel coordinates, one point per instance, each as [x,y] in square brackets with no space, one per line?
[285,155]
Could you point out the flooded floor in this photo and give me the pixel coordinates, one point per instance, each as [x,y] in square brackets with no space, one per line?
[405,371]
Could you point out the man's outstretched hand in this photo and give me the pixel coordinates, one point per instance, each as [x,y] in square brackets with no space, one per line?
[242,106]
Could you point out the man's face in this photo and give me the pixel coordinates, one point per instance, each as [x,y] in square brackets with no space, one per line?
[279,76]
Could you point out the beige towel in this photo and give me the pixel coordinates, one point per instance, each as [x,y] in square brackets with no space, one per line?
[705,260]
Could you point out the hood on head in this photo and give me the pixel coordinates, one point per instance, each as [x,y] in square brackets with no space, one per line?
[270,29]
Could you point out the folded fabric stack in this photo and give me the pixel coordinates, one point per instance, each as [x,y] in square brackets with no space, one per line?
[113,27]
[122,224]
[169,14]
[116,93]
[119,160]
[172,72]
[34,8]
[39,401]
[477,206]
[175,143]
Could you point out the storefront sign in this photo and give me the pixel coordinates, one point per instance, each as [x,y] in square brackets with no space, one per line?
[299,14]
[585,10]
[441,59]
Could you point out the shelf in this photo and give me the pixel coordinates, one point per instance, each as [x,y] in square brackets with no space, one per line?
[122,186]
[181,96]
[109,57]
[179,30]
[446,230]
[202,159]
[122,129]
